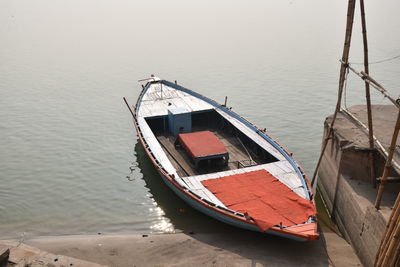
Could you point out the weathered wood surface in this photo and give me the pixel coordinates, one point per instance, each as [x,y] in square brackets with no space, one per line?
[180,160]
[280,169]
[252,135]
[234,148]
[155,146]
[156,102]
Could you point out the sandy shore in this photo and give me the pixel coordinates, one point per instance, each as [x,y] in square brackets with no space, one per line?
[241,248]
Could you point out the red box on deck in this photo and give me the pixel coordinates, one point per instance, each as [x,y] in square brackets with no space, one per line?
[202,144]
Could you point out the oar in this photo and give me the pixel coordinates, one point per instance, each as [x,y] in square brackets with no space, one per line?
[126,102]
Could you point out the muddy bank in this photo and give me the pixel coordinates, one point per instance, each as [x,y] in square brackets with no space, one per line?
[241,248]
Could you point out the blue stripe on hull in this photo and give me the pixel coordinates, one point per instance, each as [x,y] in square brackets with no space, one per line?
[196,205]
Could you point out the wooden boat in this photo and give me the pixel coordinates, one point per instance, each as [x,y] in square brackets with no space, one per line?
[221,164]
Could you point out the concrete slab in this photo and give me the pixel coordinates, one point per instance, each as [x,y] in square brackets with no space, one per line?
[345,182]
[340,252]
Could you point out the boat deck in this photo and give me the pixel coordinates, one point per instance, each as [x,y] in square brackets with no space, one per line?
[256,175]
[240,161]
[239,156]
[280,169]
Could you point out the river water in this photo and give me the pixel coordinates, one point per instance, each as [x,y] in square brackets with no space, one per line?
[69,159]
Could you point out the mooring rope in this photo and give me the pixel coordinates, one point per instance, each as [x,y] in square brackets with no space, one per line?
[345,88]
[378,61]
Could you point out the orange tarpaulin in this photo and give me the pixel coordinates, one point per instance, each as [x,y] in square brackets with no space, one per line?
[201,144]
[263,197]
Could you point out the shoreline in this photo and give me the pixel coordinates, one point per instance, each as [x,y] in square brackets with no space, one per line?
[237,248]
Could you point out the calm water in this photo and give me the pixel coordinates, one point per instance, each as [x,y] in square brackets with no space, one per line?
[69,163]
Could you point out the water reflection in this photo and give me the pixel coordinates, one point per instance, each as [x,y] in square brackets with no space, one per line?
[162,224]
[174,214]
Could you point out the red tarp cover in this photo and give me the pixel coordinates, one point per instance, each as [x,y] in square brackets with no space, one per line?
[201,144]
[268,201]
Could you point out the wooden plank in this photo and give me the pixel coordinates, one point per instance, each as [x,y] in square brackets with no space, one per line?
[195,182]
[155,103]
[213,198]
[202,194]
[300,191]
[195,103]
[252,135]
[178,157]
[197,187]
[144,111]
[273,169]
[285,165]
[188,182]
[290,179]
[155,147]
[208,176]
[181,181]
[239,171]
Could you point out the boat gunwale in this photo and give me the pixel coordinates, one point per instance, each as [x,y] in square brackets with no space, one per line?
[281,149]
[212,206]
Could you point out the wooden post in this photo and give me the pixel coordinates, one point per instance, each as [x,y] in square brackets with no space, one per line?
[126,102]
[393,242]
[394,216]
[345,61]
[396,256]
[388,162]
[368,97]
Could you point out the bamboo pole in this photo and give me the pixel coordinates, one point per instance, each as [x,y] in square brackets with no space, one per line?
[392,245]
[396,256]
[381,89]
[394,216]
[388,162]
[345,61]
[368,96]
[374,84]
